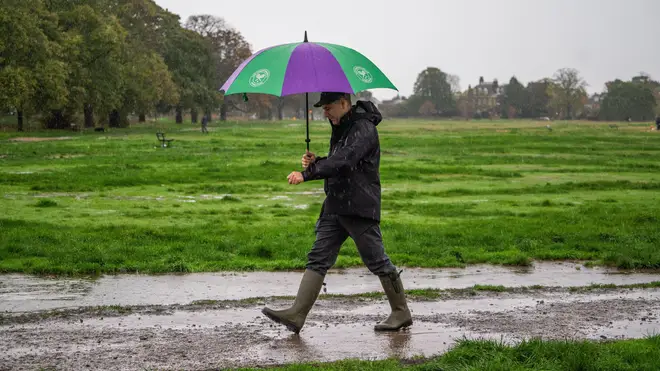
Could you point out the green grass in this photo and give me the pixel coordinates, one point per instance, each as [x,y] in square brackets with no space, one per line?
[478,355]
[455,193]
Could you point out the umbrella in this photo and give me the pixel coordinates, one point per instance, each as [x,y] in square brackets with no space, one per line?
[306,67]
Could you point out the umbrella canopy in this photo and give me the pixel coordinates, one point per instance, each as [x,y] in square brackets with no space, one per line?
[306,67]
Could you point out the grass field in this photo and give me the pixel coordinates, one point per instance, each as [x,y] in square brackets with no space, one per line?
[471,355]
[503,192]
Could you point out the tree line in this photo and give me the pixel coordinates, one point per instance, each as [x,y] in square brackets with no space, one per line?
[98,62]
[562,96]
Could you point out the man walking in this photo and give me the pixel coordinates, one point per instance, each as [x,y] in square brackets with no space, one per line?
[205,123]
[351,209]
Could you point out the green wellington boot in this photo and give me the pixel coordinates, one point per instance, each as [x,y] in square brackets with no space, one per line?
[400,316]
[294,317]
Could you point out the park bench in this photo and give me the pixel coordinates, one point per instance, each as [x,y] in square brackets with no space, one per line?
[163,141]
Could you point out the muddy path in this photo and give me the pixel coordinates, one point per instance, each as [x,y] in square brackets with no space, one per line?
[211,335]
[19,293]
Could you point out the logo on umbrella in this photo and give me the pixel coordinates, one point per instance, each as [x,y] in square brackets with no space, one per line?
[362,74]
[259,78]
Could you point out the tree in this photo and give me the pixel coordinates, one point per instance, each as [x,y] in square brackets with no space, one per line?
[148,82]
[537,99]
[32,73]
[427,109]
[263,104]
[95,41]
[623,100]
[465,103]
[470,103]
[432,85]
[293,103]
[229,48]
[653,85]
[455,83]
[110,58]
[190,59]
[513,99]
[148,79]
[645,79]
[567,92]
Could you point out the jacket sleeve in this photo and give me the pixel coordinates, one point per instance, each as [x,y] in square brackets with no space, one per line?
[362,140]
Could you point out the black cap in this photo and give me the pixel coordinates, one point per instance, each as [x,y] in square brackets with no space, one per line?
[331,97]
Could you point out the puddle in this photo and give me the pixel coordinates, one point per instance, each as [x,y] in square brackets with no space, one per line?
[28,293]
[308,193]
[138,198]
[214,197]
[625,329]
[344,341]
[64,156]
[37,139]
[280,198]
[336,329]
[78,196]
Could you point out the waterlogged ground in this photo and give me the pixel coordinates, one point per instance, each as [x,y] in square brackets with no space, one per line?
[19,293]
[195,322]
[455,194]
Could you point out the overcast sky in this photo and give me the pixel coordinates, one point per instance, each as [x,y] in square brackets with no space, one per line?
[531,39]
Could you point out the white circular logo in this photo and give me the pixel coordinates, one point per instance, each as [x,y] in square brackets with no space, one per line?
[363,74]
[259,78]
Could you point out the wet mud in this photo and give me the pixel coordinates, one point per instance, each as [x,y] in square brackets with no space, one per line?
[235,334]
[20,293]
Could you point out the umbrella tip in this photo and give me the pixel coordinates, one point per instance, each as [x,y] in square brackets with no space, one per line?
[305,37]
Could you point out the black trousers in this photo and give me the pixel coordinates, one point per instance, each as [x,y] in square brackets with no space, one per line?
[333,230]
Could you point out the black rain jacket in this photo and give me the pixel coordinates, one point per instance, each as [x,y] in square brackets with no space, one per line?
[351,169]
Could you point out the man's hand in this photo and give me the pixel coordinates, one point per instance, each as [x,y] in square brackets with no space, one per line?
[307,159]
[296,177]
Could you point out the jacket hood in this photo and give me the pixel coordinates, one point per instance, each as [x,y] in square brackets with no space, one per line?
[365,110]
[361,110]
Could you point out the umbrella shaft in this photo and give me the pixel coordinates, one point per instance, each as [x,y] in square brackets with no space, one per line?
[307,118]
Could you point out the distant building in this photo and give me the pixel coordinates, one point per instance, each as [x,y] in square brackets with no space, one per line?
[393,107]
[486,95]
[593,103]
[372,99]
[395,101]
[367,96]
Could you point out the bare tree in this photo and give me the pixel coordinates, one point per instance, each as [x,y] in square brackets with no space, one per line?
[455,83]
[206,25]
[567,91]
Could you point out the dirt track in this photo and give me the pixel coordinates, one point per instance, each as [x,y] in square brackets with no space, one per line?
[230,334]
[20,293]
